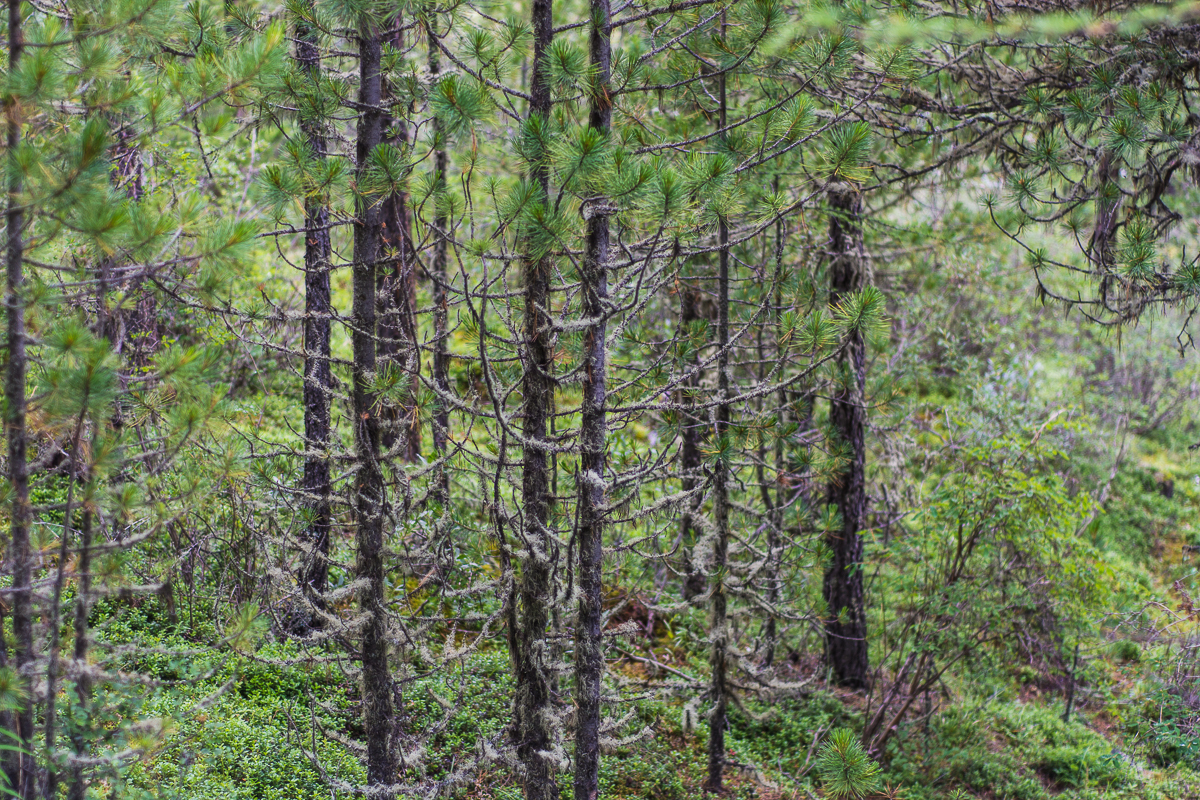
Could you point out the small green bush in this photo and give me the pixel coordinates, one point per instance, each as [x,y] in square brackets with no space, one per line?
[1127,651]
[1087,767]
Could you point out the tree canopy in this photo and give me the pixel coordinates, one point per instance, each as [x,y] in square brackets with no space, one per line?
[764,398]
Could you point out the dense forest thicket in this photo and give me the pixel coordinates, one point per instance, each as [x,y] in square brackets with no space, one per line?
[600,399]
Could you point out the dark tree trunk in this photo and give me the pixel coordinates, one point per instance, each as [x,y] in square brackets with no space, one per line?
[846,626]
[83,683]
[589,644]
[441,311]
[691,429]
[719,624]
[533,704]
[50,716]
[132,332]
[775,505]
[140,330]
[318,382]
[20,766]
[397,288]
[369,491]
[1100,249]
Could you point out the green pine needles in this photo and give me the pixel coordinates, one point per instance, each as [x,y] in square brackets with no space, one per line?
[845,767]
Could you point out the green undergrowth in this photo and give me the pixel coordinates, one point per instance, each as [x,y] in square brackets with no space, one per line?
[242,727]
[246,731]
[252,715]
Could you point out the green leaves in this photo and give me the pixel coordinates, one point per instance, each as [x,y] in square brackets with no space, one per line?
[13,690]
[863,312]
[710,179]
[39,75]
[458,104]
[666,196]
[567,67]
[81,377]
[792,122]
[1137,254]
[583,159]
[845,768]
[846,150]
[829,55]
[385,173]
[817,335]
[1124,135]
[360,14]
[390,383]
[280,186]
[534,139]
[245,627]
[221,247]
[1081,108]
[539,227]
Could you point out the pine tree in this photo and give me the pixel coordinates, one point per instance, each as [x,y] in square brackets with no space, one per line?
[719,623]
[589,643]
[101,435]
[533,705]
[845,627]
[397,282]
[317,485]
[440,279]
[21,769]
[369,490]
[845,768]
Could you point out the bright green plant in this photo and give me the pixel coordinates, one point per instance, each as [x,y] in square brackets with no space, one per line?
[846,770]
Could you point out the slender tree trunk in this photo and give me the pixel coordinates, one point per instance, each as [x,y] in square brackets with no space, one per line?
[533,704]
[589,644]
[397,288]
[775,508]
[369,491]
[83,681]
[441,310]
[846,626]
[719,624]
[50,717]
[318,382]
[1104,232]
[7,717]
[129,332]
[20,766]
[689,451]
[141,330]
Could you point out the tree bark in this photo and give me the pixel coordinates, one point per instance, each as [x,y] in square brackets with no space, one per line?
[83,683]
[132,332]
[369,490]
[776,505]
[691,428]
[719,624]
[1104,230]
[20,765]
[441,310]
[317,485]
[50,716]
[846,625]
[397,288]
[533,704]
[589,644]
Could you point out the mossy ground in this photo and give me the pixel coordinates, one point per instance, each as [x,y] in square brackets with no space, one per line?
[247,731]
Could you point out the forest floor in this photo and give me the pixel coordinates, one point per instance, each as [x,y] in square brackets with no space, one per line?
[262,723]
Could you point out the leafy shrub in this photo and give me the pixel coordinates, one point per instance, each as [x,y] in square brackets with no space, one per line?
[1168,728]
[1086,767]
[1126,650]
